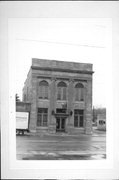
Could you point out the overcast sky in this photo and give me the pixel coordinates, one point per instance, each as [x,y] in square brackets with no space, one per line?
[72,39]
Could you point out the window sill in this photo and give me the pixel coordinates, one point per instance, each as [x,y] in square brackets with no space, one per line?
[79,101]
[78,127]
[43,99]
[61,100]
[42,127]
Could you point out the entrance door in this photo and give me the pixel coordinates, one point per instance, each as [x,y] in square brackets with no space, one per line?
[60,124]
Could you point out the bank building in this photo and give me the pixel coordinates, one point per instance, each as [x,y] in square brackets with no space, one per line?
[60,94]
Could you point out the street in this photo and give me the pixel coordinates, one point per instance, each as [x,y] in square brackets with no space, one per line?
[61,146]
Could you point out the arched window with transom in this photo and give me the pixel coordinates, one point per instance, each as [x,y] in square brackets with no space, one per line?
[43,89]
[79,92]
[61,91]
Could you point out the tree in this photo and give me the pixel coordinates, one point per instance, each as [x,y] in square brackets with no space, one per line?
[98,111]
[17,98]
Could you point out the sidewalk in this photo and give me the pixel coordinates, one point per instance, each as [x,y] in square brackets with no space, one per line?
[95,132]
[37,146]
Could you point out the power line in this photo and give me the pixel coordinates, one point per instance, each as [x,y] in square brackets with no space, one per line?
[85,45]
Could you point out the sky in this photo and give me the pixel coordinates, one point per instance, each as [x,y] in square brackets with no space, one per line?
[82,40]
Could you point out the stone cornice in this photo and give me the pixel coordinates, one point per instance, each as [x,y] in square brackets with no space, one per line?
[62,70]
[22,102]
[63,78]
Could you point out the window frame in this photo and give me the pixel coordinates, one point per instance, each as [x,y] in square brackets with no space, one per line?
[78,115]
[79,92]
[61,91]
[43,90]
[41,122]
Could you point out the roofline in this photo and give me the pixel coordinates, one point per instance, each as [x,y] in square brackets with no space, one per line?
[61,61]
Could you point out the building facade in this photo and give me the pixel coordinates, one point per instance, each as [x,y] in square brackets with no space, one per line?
[60,94]
[101,122]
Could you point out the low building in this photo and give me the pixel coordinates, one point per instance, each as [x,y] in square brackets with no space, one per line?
[60,94]
[101,122]
[23,106]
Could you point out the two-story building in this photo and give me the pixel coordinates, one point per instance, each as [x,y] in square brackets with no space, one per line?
[60,94]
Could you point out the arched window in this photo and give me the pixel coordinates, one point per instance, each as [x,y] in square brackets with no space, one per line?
[79,92]
[43,90]
[61,91]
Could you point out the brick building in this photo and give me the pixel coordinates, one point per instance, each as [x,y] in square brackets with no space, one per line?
[60,94]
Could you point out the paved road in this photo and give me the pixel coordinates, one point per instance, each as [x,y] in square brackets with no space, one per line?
[61,146]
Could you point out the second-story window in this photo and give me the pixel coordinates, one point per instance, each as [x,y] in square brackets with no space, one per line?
[43,90]
[61,91]
[79,92]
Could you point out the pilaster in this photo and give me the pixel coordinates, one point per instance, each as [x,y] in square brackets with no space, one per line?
[33,114]
[70,123]
[52,120]
[88,109]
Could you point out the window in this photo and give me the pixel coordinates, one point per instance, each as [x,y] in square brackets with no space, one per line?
[101,122]
[42,117]
[61,91]
[43,90]
[79,92]
[78,118]
[62,111]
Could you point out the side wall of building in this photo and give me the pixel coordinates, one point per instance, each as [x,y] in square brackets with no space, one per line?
[27,89]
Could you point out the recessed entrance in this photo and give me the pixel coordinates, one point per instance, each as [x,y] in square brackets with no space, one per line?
[60,124]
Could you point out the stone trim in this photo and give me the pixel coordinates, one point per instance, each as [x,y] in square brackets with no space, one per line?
[73,79]
[61,70]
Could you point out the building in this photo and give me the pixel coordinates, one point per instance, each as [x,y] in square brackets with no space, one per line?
[60,94]
[101,122]
[22,106]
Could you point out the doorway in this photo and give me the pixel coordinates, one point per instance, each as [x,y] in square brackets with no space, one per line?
[60,124]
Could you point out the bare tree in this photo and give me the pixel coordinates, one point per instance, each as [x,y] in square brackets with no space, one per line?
[17,98]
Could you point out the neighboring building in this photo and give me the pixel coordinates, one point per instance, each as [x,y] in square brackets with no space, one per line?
[60,94]
[22,106]
[101,122]
[99,118]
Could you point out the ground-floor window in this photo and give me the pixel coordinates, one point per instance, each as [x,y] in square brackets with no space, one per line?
[42,118]
[101,122]
[78,118]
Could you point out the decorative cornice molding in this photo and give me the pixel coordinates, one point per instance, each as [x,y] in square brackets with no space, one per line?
[70,79]
[81,80]
[53,78]
[62,70]
[44,77]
